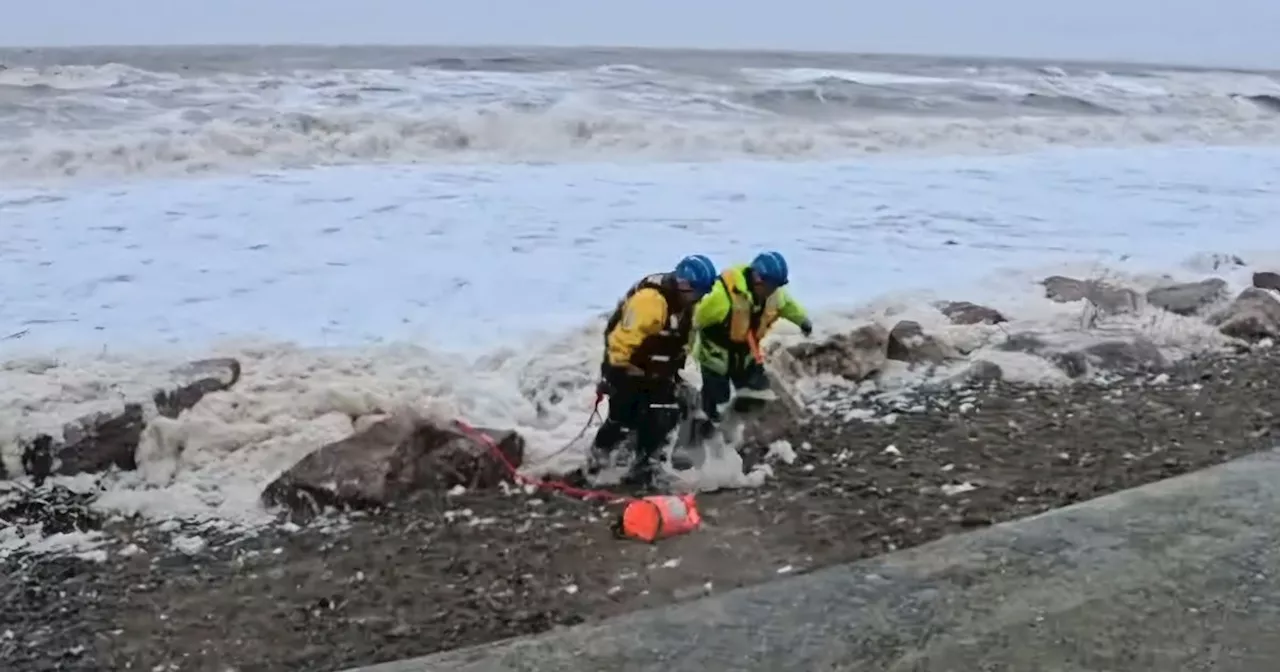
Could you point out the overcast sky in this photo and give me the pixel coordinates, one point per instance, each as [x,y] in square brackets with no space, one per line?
[1208,32]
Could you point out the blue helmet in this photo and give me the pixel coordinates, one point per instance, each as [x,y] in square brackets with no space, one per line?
[698,271]
[771,267]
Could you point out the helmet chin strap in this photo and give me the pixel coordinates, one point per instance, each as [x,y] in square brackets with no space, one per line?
[753,279]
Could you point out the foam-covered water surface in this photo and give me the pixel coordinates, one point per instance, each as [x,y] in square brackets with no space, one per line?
[474,256]
[478,290]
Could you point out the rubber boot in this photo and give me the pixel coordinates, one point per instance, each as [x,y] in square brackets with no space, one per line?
[608,438]
[647,476]
[597,460]
[641,474]
[646,464]
[681,461]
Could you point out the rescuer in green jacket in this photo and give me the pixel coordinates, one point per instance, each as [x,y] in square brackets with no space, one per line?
[730,322]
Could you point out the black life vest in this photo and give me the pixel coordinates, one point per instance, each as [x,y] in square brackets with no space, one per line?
[662,354]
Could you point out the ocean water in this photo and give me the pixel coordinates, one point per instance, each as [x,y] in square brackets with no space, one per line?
[372,229]
[127,111]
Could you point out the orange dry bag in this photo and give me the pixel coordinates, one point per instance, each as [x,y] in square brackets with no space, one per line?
[658,517]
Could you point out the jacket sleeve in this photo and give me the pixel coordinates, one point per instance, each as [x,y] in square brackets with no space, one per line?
[791,310]
[644,314]
[713,307]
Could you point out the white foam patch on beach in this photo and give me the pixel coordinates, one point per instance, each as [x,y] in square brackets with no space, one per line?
[214,460]
[29,540]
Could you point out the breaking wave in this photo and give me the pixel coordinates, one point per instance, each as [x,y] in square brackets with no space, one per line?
[117,119]
[299,140]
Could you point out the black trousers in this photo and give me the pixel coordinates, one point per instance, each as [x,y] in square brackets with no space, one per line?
[744,373]
[643,406]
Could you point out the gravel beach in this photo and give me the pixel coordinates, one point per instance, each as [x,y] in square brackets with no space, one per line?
[470,569]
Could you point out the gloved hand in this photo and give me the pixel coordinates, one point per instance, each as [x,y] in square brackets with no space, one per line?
[806,328]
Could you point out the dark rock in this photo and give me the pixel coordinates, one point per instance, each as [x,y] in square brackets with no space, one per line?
[1074,364]
[1134,355]
[37,458]
[391,460]
[1267,280]
[1120,356]
[978,371]
[909,343]
[1023,342]
[963,312]
[855,356]
[1253,316]
[985,371]
[1188,298]
[171,403]
[101,442]
[108,442]
[1108,299]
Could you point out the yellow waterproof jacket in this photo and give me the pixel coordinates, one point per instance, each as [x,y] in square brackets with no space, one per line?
[729,324]
[644,335]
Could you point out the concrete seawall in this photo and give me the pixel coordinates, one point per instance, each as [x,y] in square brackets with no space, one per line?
[1174,576]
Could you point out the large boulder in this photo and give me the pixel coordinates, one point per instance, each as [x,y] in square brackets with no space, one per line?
[1134,353]
[102,441]
[1253,316]
[966,313]
[1137,354]
[386,463]
[1188,298]
[855,356]
[908,343]
[1108,299]
[92,444]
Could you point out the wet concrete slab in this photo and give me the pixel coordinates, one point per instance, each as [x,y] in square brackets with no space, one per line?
[1182,575]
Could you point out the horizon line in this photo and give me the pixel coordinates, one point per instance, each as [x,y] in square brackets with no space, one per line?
[1043,60]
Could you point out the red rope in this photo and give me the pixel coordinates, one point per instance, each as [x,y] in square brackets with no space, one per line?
[516,476]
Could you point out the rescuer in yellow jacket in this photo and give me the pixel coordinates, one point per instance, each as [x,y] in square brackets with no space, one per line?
[730,322]
[646,344]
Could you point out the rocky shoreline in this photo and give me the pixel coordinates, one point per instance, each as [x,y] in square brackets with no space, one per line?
[450,555]
[444,571]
